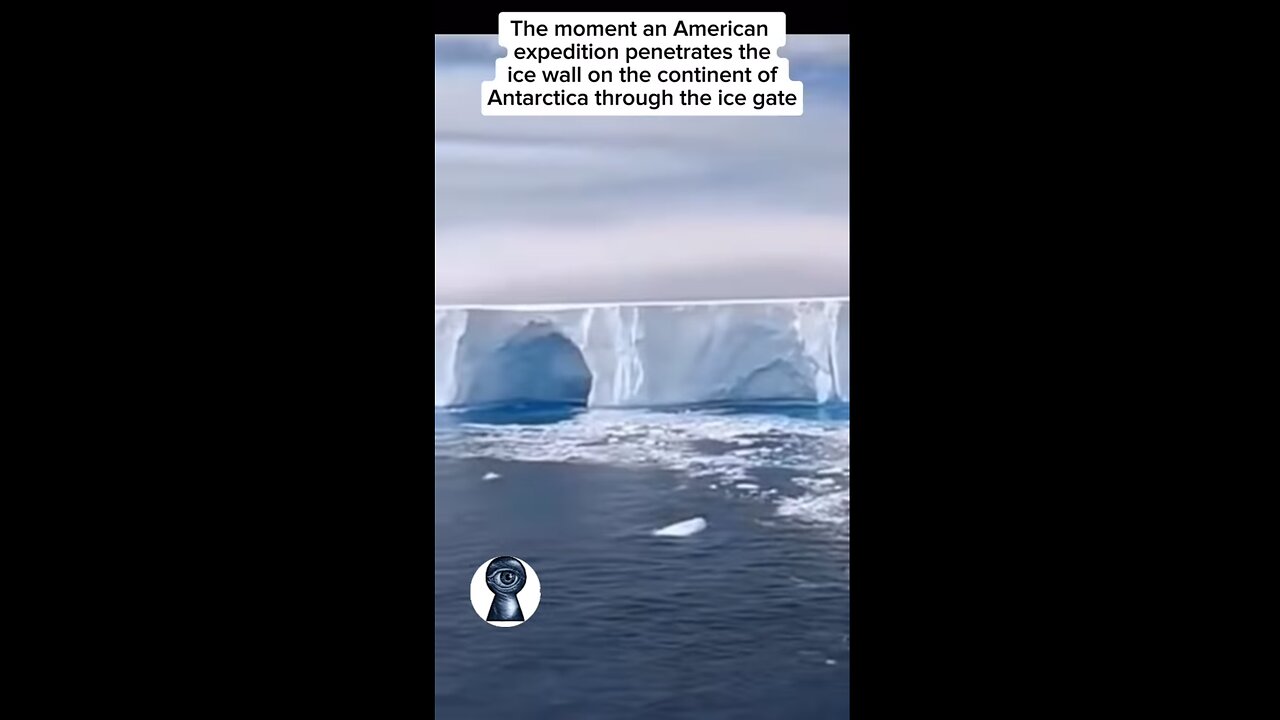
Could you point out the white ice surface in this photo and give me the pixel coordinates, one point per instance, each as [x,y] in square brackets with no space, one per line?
[637,355]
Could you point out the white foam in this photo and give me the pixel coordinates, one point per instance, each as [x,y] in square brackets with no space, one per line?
[831,508]
[673,441]
[684,528]
[814,484]
[722,449]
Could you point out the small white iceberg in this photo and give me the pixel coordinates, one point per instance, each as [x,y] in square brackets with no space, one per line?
[684,528]
[491,476]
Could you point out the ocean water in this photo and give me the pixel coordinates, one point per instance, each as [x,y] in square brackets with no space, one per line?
[748,618]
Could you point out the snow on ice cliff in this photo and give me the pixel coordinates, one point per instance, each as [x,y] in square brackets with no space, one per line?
[631,355]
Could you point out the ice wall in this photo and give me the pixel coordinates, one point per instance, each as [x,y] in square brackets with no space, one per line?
[629,355]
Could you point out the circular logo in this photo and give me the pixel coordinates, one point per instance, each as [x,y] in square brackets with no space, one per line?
[505,591]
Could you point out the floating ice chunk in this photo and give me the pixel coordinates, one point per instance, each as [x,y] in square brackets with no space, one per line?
[684,528]
[749,487]
[491,476]
[813,483]
[830,661]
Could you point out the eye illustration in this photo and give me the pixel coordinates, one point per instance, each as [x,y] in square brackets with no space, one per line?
[504,579]
[498,589]
[505,576]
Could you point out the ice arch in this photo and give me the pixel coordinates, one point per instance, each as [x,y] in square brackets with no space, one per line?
[536,365]
[778,381]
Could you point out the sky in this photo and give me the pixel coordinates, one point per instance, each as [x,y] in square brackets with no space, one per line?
[598,209]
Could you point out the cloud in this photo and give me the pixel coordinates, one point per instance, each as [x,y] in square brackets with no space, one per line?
[817,49]
[669,257]
[824,49]
[532,209]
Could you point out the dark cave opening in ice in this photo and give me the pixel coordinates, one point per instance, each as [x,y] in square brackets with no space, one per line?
[537,366]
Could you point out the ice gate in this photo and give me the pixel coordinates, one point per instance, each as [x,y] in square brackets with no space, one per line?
[631,355]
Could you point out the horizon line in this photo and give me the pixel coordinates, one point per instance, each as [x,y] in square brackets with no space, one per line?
[636,303]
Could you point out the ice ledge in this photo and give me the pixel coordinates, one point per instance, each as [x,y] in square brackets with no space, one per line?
[554,307]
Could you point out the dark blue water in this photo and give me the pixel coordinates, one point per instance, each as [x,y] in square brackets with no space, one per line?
[747,619]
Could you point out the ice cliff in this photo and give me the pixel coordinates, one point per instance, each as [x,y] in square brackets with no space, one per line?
[629,355]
